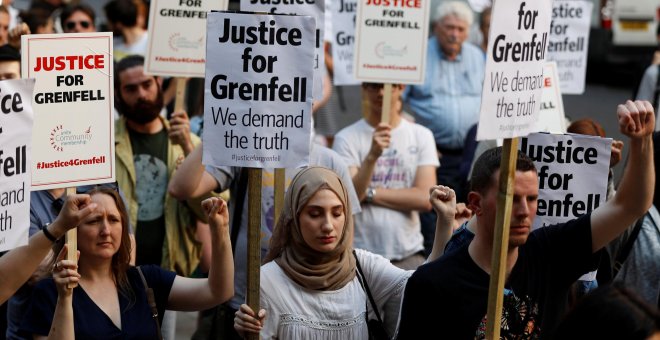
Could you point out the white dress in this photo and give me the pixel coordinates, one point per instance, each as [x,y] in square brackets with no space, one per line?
[294,312]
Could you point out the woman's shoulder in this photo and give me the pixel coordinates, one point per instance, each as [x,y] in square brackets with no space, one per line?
[153,274]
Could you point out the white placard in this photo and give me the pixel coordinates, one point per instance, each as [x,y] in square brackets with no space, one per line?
[73,137]
[573,171]
[15,156]
[391,39]
[258,97]
[568,43]
[177,37]
[313,8]
[343,41]
[551,115]
[514,68]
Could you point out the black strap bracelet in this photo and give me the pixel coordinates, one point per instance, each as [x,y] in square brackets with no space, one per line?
[48,234]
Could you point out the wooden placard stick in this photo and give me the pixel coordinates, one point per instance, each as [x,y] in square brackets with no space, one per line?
[180,96]
[71,239]
[254,242]
[387,103]
[501,238]
[280,179]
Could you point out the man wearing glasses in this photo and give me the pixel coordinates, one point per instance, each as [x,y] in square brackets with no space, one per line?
[78,18]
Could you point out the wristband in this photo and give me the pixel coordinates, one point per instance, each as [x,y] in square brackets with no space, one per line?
[371,192]
[49,236]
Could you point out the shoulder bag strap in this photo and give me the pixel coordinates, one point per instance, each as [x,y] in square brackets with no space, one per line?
[363,281]
[152,302]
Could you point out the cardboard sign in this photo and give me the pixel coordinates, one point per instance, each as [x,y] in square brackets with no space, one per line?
[569,42]
[177,37]
[258,97]
[15,156]
[551,115]
[343,41]
[572,172]
[313,8]
[391,39]
[514,68]
[73,136]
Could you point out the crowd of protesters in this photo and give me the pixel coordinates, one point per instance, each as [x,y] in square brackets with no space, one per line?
[387,233]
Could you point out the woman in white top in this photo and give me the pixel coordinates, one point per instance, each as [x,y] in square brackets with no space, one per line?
[309,283]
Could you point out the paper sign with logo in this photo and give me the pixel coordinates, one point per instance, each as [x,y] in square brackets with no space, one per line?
[551,115]
[513,82]
[573,171]
[343,41]
[313,8]
[390,41]
[177,37]
[258,97]
[73,135]
[15,157]
[569,42]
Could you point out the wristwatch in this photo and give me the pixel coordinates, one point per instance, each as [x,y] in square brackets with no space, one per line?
[371,192]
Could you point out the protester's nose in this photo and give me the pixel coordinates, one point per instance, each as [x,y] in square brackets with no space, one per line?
[105,228]
[522,208]
[327,223]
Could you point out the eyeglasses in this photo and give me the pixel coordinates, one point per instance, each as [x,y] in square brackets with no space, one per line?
[72,24]
[83,189]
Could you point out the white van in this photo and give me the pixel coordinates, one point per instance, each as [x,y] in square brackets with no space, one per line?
[622,30]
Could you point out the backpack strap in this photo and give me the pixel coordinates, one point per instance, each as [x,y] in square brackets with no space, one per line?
[152,302]
[627,247]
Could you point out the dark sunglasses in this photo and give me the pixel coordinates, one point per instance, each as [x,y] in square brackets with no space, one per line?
[372,86]
[72,24]
[83,189]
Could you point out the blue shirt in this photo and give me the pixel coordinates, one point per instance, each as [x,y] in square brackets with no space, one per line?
[449,100]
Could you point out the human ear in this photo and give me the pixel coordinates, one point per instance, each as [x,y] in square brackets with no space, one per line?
[474,202]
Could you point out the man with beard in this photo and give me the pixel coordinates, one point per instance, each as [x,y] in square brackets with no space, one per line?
[147,148]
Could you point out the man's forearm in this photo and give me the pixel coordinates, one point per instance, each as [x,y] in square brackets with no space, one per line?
[362,179]
[405,199]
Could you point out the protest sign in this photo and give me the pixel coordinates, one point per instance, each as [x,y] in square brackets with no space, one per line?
[573,174]
[177,37]
[257,103]
[569,41]
[15,156]
[572,170]
[313,8]
[391,39]
[343,41]
[514,68]
[551,115]
[73,135]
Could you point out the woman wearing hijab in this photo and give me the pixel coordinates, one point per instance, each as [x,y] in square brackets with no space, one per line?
[310,285]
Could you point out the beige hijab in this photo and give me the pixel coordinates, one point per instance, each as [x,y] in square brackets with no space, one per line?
[304,265]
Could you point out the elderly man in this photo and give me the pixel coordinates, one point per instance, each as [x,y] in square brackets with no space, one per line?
[448,101]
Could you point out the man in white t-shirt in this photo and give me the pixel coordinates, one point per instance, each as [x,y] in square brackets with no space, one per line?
[393,166]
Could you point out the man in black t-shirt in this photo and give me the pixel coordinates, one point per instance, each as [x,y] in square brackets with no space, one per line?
[447,299]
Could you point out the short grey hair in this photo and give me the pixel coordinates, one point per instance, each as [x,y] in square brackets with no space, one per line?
[457,8]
